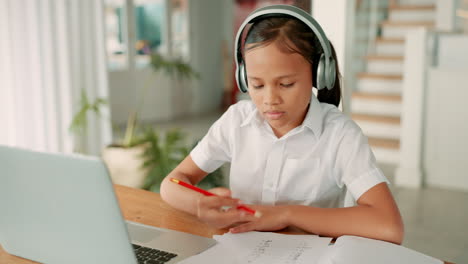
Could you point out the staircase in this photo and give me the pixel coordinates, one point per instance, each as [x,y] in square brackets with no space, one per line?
[376,101]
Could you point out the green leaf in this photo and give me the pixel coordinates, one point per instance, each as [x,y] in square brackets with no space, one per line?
[80,119]
[175,67]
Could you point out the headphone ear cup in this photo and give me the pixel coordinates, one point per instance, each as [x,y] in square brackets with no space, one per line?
[331,74]
[320,74]
[243,79]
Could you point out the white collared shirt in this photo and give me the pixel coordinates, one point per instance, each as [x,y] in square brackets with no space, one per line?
[316,163]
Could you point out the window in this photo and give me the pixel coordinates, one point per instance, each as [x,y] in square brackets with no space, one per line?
[179,29]
[149,29]
[133,36]
[115,43]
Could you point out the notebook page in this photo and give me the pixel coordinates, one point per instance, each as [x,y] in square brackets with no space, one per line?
[352,249]
[263,247]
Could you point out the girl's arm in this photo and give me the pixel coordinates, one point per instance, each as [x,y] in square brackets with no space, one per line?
[206,208]
[177,196]
[376,216]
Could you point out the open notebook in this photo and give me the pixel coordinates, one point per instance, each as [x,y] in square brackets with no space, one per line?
[267,247]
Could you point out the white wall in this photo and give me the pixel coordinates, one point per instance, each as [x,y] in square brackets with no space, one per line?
[207,33]
[126,91]
[434,147]
[336,17]
[445,158]
[452,51]
[446,129]
[333,25]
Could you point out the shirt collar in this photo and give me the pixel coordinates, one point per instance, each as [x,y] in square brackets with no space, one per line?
[313,119]
[253,116]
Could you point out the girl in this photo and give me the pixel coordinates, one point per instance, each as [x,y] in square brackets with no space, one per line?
[294,157]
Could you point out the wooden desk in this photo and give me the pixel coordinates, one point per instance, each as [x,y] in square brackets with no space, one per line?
[147,208]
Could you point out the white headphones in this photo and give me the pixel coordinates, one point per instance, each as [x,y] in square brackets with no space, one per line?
[326,67]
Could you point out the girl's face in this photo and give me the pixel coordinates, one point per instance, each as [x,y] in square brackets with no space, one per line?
[280,85]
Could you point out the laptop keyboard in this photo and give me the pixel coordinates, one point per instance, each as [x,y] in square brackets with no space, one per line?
[152,256]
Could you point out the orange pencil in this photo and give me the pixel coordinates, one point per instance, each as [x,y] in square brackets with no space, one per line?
[241,207]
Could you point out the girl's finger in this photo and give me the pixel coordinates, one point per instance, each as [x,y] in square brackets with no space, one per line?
[216,202]
[220,191]
[250,226]
[229,218]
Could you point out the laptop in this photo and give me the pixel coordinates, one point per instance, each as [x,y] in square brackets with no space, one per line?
[62,209]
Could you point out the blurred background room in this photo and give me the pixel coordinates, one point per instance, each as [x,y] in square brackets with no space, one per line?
[139,82]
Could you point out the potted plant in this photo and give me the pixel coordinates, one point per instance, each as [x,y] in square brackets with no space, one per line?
[80,120]
[162,153]
[124,158]
[144,157]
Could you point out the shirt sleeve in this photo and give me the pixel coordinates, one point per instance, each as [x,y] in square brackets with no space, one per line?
[214,149]
[356,164]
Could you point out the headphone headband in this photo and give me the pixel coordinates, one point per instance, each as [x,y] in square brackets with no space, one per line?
[301,15]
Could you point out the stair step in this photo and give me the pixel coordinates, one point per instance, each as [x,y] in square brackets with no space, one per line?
[379,86]
[390,23]
[412,13]
[376,104]
[390,40]
[386,155]
[379,129]
[379,126]
[376,118]
[385,57]
[411,7]
[366,75]
[389,48]
[462,13]
[412,16]
[384,143]
[384,65]
[399,29]
[376,96]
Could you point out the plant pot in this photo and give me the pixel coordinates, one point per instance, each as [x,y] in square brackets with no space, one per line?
[125,165]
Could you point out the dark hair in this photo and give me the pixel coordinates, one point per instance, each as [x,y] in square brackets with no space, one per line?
[295,37]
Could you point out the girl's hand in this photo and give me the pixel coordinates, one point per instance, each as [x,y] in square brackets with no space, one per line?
[210,209]
[273,218]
